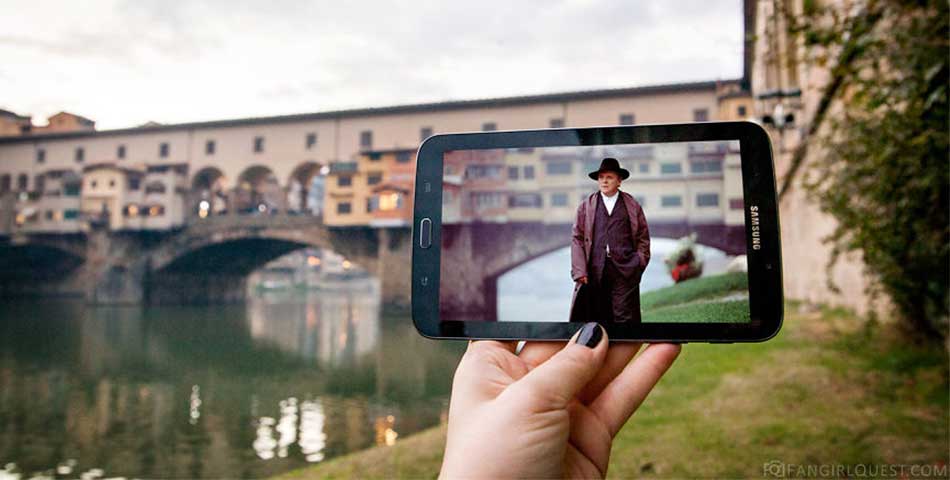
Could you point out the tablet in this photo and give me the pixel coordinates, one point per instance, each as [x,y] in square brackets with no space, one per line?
[657,232]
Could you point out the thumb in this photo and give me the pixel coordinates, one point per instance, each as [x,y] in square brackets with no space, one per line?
[558,380]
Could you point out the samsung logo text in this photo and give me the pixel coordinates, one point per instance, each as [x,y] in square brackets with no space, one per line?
[756,234]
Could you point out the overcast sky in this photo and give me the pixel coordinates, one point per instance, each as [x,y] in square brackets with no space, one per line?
[123,63]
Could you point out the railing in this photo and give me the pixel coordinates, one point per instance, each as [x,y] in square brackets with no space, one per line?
[225,222]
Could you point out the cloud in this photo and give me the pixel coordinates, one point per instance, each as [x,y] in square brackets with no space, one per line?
[123,62]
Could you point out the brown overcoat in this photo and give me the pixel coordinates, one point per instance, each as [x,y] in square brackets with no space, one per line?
[583,231]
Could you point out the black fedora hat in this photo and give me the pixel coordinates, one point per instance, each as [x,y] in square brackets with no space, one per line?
[610,165]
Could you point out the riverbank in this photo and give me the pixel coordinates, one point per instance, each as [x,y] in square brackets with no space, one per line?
[829,389]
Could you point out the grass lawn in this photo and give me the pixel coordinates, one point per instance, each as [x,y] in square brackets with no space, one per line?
[698,301]
[695,289]
[829,389]
[701,312]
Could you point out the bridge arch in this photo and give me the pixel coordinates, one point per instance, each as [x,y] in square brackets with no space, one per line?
[305,188]
[258,191]
[40,259]
[209,188]
[211,261]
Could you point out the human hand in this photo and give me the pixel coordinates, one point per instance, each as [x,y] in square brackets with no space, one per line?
[583,280]
[550,411]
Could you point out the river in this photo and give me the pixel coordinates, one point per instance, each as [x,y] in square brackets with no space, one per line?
[252,390]
[287,379]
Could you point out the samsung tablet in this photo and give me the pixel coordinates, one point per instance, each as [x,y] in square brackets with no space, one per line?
[657,232]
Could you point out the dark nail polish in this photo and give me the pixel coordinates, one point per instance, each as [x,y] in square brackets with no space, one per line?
[590,336]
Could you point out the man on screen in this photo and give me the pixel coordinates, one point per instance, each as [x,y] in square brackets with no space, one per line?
[609,251]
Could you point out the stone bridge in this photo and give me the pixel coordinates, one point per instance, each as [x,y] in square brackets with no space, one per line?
[489,250]
[206,262]
[209,260]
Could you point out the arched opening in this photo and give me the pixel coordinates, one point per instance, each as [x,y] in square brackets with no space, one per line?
[305,189]
[258,192]
[209,193]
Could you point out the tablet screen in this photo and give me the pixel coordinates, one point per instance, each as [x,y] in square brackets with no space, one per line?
[651,233]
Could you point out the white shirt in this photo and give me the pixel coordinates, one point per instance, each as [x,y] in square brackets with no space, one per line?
[609,202]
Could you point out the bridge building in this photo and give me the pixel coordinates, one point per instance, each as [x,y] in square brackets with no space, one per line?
[139,214]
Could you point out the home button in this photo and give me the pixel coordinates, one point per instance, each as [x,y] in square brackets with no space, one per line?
[425,233]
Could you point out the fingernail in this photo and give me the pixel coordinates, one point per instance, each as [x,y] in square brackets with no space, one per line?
[590,335]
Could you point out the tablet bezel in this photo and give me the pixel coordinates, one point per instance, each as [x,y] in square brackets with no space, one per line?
[764,265]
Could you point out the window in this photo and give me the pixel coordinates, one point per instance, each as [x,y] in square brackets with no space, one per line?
[487,199]
[41,156]
[640,153]
[707,200]
[740,110]
[643,167]
[524,200]
[80,155]
[93,184]
[372,204]
[71,189]
[258,144]
[366,139]
[529,172]
[120,152]
[111,183]
[489,126]
[735,204]
[512,173]
[641,200]
[389,201]
[556,123]
[424,133]
[671,168]
[155,187]
[558,168]
[22,182]
[156,211]
[344,208]
[130,210]
[483,171]
[403,157]
[163,150]
[71,214]
[626,119]
[701,115]
[5,183]
[209,147]
[559,200]
[311,140]
[49,214]
[591,165]
[39,182]
[705,166]
[375,156]
[134,183]
[344,181]
[374,178]
[671,201]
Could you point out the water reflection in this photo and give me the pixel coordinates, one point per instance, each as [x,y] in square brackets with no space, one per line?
[329,328]
[240,391]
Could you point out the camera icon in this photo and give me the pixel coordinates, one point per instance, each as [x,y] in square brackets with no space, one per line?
[774,468]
